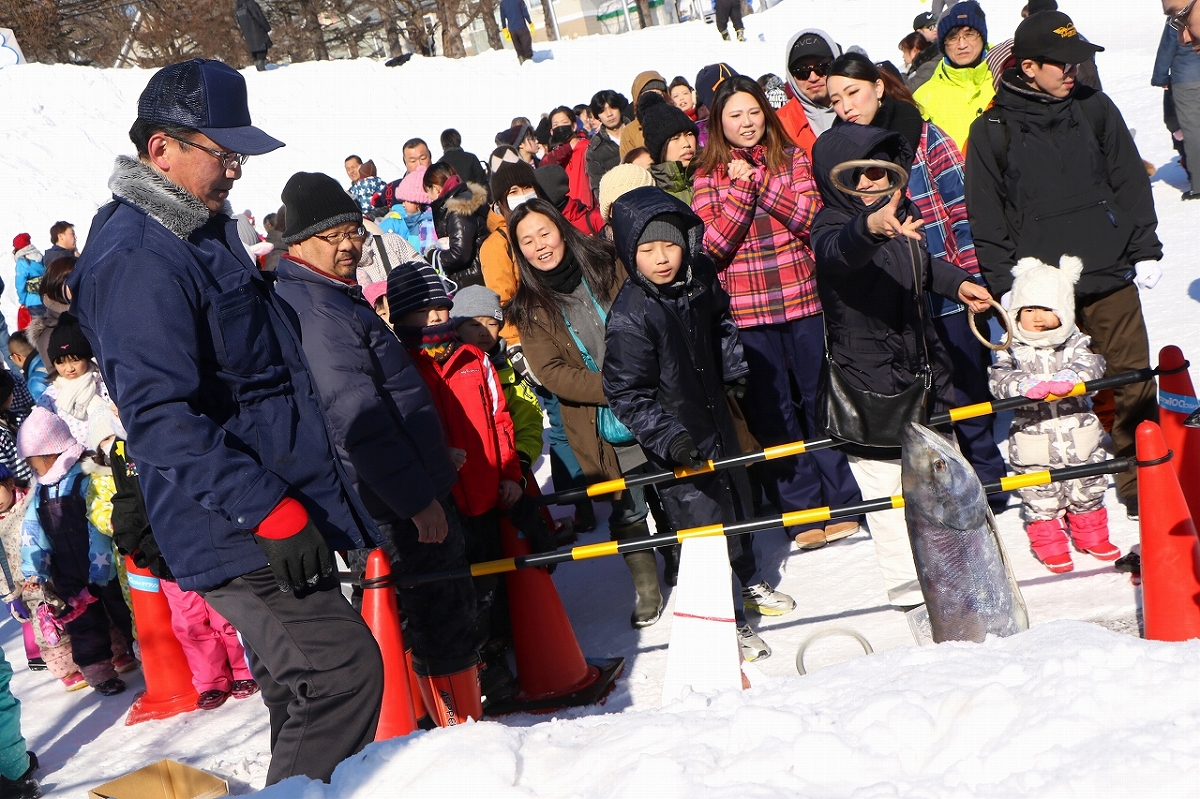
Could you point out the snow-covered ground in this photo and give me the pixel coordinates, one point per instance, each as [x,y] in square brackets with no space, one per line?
[1067,709]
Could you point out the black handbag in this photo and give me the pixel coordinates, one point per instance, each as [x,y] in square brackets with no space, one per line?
[864,418]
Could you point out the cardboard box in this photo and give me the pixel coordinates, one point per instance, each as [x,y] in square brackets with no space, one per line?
[165,779]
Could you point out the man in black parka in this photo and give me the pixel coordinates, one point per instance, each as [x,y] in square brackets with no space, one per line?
[255,30]
[1052,170]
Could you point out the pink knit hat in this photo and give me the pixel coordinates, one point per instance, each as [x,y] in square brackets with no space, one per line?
[44,433]
[374,291]
[411,189]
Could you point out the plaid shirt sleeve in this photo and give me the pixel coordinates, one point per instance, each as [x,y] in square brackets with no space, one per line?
[938,188]
[794,202]
[727,209]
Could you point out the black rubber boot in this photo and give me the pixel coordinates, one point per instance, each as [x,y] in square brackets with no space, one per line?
[670,557]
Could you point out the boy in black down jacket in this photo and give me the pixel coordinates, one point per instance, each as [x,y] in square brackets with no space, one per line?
[672,355]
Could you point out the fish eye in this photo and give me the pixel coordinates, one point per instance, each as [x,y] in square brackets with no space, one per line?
[939,465]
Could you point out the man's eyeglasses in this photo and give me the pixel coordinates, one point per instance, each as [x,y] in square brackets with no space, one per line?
[1179,21]
[356,235]
[228,160]
[802,71]
[964,35]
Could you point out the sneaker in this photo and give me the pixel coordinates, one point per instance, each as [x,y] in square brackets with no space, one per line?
[37,664]
[23,787]
[836,531]
[243,689]
[811,539]
[110,687]
[753,647]
[125,663]
[211,700]
[1190,195]
[74,681]
[765,600]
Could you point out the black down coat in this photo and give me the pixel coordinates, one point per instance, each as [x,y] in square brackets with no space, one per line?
[254,25]
[669,351]
[866,282]
[386,429]
[460,215]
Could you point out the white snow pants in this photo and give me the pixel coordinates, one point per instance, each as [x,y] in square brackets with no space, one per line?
[877,479]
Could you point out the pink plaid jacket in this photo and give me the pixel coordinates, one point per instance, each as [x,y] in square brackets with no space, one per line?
[757,232]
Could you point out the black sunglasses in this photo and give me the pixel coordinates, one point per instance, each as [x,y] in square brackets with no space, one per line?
[873,173]
[802,71]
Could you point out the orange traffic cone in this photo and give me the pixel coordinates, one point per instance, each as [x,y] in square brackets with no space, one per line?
[551,669]
[414,690]
[1176,400]
[1170,549]
[169,689]
[382,614]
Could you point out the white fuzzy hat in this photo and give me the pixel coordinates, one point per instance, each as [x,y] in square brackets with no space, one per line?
[1041,285]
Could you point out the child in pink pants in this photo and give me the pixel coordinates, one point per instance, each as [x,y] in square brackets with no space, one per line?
[211,646]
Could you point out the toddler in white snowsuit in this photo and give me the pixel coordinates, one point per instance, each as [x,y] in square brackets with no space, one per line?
[1049,356]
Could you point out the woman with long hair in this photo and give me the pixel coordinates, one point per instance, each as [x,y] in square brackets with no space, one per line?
[568,282]
[864,95]
[754,190]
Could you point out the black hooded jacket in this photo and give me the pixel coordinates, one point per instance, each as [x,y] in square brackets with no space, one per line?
[669,352]
[866,282]
[460,215]
[1044,180]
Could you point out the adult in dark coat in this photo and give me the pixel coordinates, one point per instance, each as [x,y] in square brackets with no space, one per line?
[255,30]
[514,17]
[460,214]
[242,487]
[670,352]
[876,335]
[386,428]
[1052,170]
[466,164]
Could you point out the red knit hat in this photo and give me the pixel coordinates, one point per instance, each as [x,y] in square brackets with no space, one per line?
[21,241]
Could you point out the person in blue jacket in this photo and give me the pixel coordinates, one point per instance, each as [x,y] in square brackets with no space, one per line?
[29,273]
[514,18]
[242,486]
[1177,71]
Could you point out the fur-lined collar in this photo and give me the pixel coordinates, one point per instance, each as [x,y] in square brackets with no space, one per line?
[170,205]
[468,202]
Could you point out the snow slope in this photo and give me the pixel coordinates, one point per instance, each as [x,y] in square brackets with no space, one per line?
[1036,715]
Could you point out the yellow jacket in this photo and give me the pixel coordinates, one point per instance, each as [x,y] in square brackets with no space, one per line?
[954,97]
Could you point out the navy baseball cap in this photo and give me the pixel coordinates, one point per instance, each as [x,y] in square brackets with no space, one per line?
[208,96]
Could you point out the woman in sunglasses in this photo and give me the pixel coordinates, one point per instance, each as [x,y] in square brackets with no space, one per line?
[755,192]
[863,95]
[870,255]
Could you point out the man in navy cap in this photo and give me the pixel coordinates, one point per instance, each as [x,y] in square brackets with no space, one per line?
[242,487]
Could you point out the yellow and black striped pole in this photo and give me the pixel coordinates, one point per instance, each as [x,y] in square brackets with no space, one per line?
[802,447]
[623,547]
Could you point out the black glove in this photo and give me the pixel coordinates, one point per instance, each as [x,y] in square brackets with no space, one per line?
[685,453]
[737,389]
[527,517]
[298,561]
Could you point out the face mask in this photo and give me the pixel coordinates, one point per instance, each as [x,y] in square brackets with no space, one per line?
[561,133]
[517,200]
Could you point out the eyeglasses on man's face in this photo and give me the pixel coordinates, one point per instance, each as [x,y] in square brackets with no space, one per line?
[1179,21]
[357,235]
[228,160]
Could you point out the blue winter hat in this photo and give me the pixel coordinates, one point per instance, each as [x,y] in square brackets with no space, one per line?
[966,14]
[208,96]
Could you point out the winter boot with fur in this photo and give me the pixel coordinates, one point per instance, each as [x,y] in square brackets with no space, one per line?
[1048,539]
[1089,531]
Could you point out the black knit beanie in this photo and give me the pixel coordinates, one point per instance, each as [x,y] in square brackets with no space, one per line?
[508,174]
[316,202]
[662,122]
[67,339]
[413,286]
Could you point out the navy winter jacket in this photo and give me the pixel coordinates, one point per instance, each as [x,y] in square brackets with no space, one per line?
[385,426]
[209,378]
[669,352]
[514,14]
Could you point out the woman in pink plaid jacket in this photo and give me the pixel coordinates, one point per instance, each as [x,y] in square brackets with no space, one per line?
[755,192]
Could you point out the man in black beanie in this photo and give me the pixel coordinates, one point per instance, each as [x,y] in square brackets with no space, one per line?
[385,426]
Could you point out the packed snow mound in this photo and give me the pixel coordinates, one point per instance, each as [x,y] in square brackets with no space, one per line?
[1030,715]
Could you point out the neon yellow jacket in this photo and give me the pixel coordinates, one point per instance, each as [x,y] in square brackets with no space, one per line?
[526,413]
[954,97]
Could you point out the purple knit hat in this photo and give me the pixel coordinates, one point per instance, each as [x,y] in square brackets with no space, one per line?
[44,433]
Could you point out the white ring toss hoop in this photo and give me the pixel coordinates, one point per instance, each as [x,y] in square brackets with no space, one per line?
[1005,319]
[900,178]
[829,633]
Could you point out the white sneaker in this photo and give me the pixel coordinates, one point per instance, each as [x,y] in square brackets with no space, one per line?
[753,647]
[766,601]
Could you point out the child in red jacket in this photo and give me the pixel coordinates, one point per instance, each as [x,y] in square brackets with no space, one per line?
[480,433]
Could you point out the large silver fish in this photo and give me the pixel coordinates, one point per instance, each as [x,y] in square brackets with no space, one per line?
[964,572]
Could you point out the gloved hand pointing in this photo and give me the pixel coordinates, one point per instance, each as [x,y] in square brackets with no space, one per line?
[294,547]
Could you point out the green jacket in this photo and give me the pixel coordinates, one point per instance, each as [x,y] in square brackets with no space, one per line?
[672,178]
[953,98]
[524,409]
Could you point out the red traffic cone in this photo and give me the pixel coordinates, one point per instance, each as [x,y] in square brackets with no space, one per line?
[551,669]
[169,690]
[1170,549]
[414,690]
[1176,400]
[382,615]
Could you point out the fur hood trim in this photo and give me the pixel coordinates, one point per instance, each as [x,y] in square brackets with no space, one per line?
[465,204]
[171,206]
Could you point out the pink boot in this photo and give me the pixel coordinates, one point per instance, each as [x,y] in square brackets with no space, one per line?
[1090,533]
[1048,539]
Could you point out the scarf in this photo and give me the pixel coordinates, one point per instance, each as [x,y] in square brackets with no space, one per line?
[903,118]
[436,341]
[74,396]
[565,277]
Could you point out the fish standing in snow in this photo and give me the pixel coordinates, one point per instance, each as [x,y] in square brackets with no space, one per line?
[962,567]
